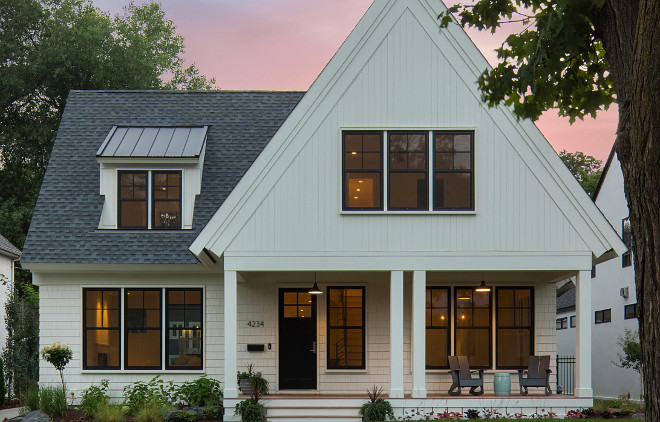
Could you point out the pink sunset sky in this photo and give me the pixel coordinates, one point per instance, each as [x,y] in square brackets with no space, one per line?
[284,45]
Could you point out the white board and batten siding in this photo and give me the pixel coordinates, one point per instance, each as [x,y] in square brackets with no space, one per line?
[60,319]
[413,80]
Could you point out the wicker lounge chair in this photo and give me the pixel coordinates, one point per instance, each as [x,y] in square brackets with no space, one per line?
[462,377]
[538,374]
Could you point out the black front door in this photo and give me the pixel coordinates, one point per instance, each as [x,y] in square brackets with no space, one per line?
[297,340]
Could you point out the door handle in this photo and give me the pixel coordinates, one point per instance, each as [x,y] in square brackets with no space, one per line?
[313,347]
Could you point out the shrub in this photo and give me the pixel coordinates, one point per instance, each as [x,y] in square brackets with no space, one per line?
[3,388]
[250,411]
[210,414]
[377,408]
[107,412]
[32,398]
[139,394]
[151,412]
[615,403]
[52,401]
[472,414]
[58,355]
[201,392]
[93,396]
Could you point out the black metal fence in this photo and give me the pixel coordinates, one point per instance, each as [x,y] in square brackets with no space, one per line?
[566,374]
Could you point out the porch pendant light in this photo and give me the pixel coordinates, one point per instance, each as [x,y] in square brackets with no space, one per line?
[483,288]
[315,289]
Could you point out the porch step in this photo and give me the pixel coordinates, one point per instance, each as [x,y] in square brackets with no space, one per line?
[342,413]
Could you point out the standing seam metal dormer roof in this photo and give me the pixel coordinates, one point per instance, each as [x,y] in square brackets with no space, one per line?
[67,213]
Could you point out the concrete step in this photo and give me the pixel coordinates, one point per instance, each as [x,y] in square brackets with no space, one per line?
[312,412]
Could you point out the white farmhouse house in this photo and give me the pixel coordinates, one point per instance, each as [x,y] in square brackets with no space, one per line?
[613,298]
[179,233]
[9,254]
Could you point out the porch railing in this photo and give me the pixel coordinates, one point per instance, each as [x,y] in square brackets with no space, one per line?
[566,374]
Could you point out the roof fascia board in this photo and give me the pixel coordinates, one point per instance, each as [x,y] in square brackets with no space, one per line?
[58,267]
[608,163]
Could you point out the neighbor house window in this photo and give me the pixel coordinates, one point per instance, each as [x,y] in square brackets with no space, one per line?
[562,323]
[515,326]
[453,164]
[593,271]
[132,213]
[473,327]
[630,311]
[437,327]
[142,328]
[573,321]
[363,171]
[604,315]
[184,329]
[408,171]
[101,328]
[626,235]
[346,336]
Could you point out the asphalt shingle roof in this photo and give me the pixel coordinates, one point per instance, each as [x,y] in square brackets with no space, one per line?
[68,210]
[566,302]
[7,249]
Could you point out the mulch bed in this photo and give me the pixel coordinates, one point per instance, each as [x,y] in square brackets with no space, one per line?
[10,405]
[72,415]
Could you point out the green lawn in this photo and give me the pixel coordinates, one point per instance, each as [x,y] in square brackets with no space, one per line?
[554,420]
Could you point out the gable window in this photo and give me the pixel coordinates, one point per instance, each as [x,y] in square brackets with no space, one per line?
[630,311]
[136,196]
[363,171]
[408,171]
[473,327]
[604,315]
[101,328]
[142,328]
[515,327]
[184,329]
[132,213]
[437,327]
[346,337]
[453,162]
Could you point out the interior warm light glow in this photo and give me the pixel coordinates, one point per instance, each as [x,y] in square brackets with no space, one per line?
[358,190]
[355,197]
[462,316]
[482,288]
[442,317]
[359,181]
[353,153]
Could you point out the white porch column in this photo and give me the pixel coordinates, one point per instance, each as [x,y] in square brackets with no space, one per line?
[396,334]
[583,335]
[231,321]
[419,334]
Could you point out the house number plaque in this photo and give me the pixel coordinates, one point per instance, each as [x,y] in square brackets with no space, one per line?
[255,324]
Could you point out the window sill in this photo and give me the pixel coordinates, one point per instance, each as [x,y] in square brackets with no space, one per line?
[345,371]
[472,212]
[142,371]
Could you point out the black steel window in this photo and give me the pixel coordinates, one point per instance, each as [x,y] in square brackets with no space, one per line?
[132,200]
[166,203]
[473,327]
[604,315]
[143,336]
[346,336]
[515,326]
[630,311]
[593,271]
[101,328]
[438,341]
[408,182]
[573,321]
[562,323]
[183,349]
[453,171]
[363,171]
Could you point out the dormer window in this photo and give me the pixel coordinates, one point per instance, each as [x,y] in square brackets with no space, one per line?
[166,200]
[134,198]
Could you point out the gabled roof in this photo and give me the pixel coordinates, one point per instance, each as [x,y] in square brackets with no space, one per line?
[608,163]
[7,249]
[333,82]
[67,213]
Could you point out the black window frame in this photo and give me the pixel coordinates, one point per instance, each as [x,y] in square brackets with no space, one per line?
[447,328]
[444,171]
[120,200]
[167,330]
[126,329]
[626,236]
[531,327]
[593,271]
[490,323]
[630,315]
[561,323]
[154,200]
[572,321]
[86,329]
[605,316]
[626,259]
[425,172]
[363,327]
[345,206]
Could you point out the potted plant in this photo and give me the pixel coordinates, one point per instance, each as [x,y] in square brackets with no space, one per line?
[377,408]
[251,382]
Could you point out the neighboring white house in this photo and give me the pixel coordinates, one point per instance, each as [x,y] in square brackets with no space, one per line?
[178,233]
[613,298]
[8,255]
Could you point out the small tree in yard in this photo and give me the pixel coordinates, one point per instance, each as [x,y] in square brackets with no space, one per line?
[58,355]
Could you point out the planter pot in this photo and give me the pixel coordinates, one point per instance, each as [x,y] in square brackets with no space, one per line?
[246,386]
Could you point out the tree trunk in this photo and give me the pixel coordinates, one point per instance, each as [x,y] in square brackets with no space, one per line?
[630,30]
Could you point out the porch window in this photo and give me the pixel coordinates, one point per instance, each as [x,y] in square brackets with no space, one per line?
[132,200]
[515,326]
[473,327]
[346,336]
[453,171]
[142,329]
[408,171]
[101,328]
[437,327]
[363,171]
[184,329]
